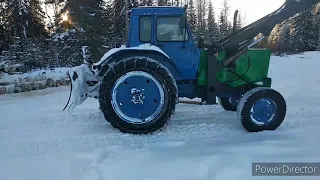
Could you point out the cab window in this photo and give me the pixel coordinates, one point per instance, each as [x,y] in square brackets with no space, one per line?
[171,29]
[145,29]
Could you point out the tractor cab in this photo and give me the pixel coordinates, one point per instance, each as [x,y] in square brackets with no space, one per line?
[166,28]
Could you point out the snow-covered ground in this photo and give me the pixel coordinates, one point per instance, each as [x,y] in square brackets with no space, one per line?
[38,141]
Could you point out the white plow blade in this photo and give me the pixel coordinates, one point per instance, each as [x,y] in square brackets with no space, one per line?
[80,90]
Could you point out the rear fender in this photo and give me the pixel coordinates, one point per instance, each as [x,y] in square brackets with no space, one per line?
[102,67]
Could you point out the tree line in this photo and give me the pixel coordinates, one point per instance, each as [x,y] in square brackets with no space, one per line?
[33,39]
[299,33]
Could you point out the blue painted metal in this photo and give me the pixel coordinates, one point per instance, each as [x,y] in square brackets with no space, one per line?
[264,111]
[185,55]
[137,97]
[186,90]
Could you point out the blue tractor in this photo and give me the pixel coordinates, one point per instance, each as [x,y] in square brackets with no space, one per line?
[139,84]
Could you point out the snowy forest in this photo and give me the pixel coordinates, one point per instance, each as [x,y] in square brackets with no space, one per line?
[33,38]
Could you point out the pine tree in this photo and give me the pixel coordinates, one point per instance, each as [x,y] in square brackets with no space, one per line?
[239,21]
[192,17]
[36,20]
[26,18]
[108,24]
[274,38]
[212,26]
[201,14]
[177,3]
[119,20]
[304,32]
[147,3]
[89,23]
[284,38]
[162,2]
[224,24]
[317,23]
[133,4]
[15,51]
[5,36]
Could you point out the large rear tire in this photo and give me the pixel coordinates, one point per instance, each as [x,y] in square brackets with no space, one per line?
[261,109]
[138,95]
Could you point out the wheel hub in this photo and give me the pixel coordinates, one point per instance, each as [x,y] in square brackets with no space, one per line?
[137,97]
[263,111]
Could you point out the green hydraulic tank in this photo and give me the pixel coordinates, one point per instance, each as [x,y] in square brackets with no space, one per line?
[251,67]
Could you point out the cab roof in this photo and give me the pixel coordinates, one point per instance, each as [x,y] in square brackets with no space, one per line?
[149,10]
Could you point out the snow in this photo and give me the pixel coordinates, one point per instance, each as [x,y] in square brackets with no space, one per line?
[40,141]
[146,46]
[61,36]
[55,74]
[61,5]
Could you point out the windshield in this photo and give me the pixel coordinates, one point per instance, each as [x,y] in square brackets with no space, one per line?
[171,29]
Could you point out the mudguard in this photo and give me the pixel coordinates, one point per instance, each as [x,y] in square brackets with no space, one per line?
[116,54]
[141,47]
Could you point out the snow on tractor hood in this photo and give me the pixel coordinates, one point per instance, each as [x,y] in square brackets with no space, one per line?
[123,47]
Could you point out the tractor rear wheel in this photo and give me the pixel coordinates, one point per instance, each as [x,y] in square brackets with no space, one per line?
[261,109]
[138,95]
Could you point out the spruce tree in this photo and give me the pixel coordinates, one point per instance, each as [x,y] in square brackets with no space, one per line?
[224,24]
[147,3]
[192,17]
[304,33]
[88,24]
[5,35]
[26,18]
[239,21]
[284,38]
[201,14]
[177,3]
[212,26]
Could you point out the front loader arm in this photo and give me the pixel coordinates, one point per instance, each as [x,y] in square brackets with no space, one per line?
[265,25]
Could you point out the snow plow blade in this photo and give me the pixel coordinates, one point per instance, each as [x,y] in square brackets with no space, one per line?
[83,84]
[70,91]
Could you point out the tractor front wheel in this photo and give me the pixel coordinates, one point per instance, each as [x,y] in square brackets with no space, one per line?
[261,109]
[137,95]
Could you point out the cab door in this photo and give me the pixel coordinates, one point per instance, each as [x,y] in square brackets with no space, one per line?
[172,35]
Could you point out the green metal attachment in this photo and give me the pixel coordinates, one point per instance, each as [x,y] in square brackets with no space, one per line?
[251,67]
[203,68]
